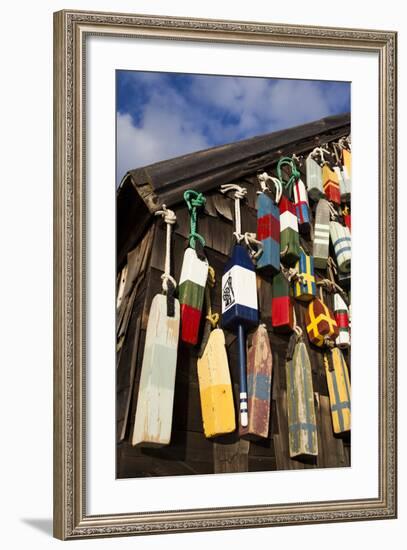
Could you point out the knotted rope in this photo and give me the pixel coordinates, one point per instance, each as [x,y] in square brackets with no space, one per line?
[213,318]
[295,174]
[263,178]
[169,284]
[240,193]
[319,151]
[194,201]
[250,240]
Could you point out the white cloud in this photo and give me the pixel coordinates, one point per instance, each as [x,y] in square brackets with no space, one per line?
[165,132]
[175,122]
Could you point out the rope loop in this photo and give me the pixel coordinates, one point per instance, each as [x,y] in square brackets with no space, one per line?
[295,174]
[278,188]
[240,193]
[194,201]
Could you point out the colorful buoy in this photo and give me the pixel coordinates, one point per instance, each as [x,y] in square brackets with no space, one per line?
[339,390]
[239,298]
[342,320]
[331,184]
[302,427]
[305,288]
[340,237]
[282,309]
[268,226]
[259,371]
[301,206]
[194,273]
[314,178]
[289,237]
[321,324]
[321,234]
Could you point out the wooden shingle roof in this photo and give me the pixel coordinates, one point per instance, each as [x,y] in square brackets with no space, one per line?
[143,190]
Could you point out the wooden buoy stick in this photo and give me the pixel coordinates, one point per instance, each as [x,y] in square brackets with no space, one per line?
[239,297]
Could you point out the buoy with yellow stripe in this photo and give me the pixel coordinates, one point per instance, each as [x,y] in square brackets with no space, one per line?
[305,287]
[321,325]
[339,390]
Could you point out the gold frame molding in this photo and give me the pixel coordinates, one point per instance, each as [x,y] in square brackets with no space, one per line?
[70,31]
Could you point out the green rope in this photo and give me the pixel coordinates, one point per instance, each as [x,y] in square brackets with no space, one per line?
[194,201]
[295,174]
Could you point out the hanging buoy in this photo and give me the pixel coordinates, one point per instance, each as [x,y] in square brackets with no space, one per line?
[305,288]
[302,427]
[342,320]
[294,190]
[314,175]
[289,237]
[339,390]
[215,386]
[259,371]
[153,418]
[342,175]
[194,273]
[346,217]
[239,297]
[301,206]
[331,184]
[321,325]
[340,237]
[321,234]
[282,309]
[268,225]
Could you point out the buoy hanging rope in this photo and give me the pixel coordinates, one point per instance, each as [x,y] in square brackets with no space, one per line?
[169,284]
[194,201]
[295,174]
[240,193]
[263,179]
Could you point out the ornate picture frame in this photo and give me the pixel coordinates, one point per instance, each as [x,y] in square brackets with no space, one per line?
[71,30]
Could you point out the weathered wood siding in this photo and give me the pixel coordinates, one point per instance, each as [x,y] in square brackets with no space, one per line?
[190,452]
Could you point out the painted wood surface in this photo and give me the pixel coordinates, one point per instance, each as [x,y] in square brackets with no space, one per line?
[191,291]
[331,184]
[314,179]
[215,387]
[289,237]
[340,237]
[344,183]
[302,427]
[302,207]
[339,391]
[321,234]
[259,374]
[268,232]
[320,322]
[305,287]
[282,310]
[239,291]
[342,320]
[153,419]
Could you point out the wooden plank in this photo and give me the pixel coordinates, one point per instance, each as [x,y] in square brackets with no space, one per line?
[231,457]
[222,206]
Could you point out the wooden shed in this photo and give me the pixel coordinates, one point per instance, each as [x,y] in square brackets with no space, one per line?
[140,263]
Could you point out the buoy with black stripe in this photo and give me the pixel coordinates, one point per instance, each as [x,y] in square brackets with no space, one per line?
[268,224]
[239,298]
[194,273]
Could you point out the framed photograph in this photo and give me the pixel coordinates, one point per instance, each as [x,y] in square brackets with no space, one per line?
[224,337]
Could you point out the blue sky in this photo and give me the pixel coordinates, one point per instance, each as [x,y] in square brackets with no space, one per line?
[164,115]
